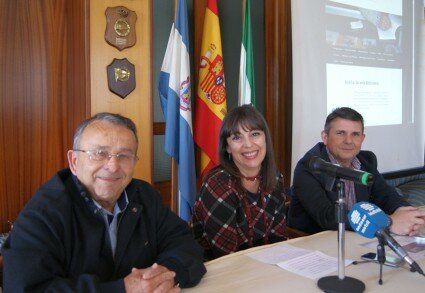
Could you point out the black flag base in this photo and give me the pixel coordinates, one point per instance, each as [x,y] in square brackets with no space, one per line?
[332,284]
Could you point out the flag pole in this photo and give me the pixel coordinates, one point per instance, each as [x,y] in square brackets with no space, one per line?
[174,172]
[174,187]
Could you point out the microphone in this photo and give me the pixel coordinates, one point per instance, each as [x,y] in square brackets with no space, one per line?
[370,221]
[318,165]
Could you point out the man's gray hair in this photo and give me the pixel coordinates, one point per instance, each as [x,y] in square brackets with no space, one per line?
[104,116]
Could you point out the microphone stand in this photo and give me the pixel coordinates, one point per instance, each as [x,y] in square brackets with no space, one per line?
[380,254]
[340,283]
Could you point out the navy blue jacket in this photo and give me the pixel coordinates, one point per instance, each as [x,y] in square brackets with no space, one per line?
[312,207]
[58,242]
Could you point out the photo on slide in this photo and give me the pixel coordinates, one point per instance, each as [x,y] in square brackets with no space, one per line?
[369,56]
[361,35]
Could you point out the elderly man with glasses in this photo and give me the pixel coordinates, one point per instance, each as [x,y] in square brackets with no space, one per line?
[93,228]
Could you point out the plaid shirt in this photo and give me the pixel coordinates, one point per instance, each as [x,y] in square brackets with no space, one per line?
[227,218]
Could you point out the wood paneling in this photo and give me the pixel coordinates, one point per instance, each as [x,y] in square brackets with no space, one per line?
[43,93]
[164,187]
[278,106]
[158,128]
[138,104]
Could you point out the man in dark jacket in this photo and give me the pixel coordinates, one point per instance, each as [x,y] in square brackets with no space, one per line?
[93,228]
[312,207]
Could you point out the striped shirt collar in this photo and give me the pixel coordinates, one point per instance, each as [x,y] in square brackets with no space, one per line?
[355,163]
[120,205]
[349,190]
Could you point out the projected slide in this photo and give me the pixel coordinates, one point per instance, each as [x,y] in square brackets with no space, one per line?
[374,92]
[367,55]
[366,59]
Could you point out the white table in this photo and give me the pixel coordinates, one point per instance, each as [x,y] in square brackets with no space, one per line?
[240,273]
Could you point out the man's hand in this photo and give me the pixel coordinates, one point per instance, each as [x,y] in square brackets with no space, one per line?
[155,279]
[407,221]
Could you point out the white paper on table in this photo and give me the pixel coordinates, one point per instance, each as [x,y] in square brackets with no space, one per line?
[278,253]
[313,265]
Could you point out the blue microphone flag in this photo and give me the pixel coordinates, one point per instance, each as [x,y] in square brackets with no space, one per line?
[366,219]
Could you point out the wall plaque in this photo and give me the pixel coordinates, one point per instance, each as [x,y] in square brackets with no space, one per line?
[120,27]
[121,77]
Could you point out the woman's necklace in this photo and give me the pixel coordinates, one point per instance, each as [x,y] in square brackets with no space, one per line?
[252,178]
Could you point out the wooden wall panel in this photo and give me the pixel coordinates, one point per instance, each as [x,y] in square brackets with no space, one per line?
[164,188]
[138,104]
[43,93]
[278,106]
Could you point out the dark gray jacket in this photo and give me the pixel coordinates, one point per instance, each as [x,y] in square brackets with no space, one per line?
[312,207]
[58,242]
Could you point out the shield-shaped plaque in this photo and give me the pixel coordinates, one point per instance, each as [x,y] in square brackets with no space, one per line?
[121,77]
[120,27]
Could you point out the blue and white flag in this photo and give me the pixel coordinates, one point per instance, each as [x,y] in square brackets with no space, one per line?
[175,94]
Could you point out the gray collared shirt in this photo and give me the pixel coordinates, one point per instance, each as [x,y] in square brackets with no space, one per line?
[112,219]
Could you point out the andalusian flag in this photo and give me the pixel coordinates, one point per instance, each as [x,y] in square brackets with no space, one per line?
[211,94]
[246,70]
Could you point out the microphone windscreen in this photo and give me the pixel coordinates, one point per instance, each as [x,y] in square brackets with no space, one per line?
[314,163]
[366,219]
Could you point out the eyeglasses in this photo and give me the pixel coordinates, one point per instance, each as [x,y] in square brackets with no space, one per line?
[102,156]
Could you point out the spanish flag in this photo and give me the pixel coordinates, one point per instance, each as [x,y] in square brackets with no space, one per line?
[211,104]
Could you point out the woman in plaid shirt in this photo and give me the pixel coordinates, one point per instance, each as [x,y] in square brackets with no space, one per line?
[241,202]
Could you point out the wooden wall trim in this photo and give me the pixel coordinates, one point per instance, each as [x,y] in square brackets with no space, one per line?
[278,105]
